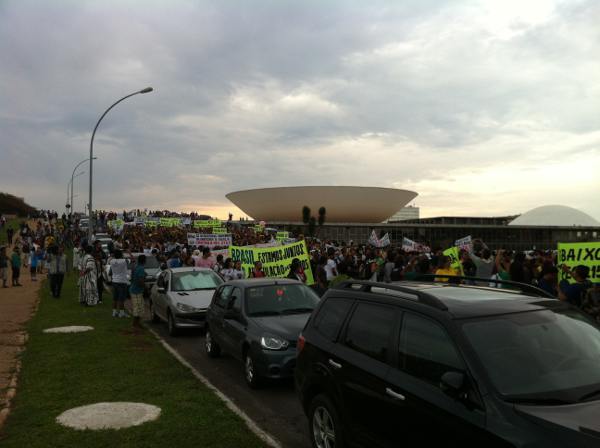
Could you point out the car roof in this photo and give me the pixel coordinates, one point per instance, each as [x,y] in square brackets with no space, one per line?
[189,269]
[252,282]
[461,301]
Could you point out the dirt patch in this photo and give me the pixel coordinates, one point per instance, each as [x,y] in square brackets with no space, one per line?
[69,329]
[17,306]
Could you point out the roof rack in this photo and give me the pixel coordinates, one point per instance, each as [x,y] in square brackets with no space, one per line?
[421,296]
[525,288]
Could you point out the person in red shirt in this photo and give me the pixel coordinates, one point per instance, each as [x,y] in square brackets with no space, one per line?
[257,272]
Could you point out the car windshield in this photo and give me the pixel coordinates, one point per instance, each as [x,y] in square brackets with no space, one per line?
[541,356]
[195,281]
[280,299]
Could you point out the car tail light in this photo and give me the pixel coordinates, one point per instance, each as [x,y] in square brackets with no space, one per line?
[300,345]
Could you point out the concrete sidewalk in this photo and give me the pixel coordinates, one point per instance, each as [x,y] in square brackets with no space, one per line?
[17,306]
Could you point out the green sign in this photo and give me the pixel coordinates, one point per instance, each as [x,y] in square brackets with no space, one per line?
[454,255]
[276,260]
[575,254]
[219,231]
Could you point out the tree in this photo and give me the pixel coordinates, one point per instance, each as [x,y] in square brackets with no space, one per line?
[305,214]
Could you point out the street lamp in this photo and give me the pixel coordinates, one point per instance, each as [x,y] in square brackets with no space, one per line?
[72,177]
[70,204]
[90,207]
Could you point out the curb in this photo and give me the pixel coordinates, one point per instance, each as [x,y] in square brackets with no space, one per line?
[263,435]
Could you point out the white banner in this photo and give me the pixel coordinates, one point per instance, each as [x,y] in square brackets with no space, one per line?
[465,243]
[209,240]
[409,245]
[377,242]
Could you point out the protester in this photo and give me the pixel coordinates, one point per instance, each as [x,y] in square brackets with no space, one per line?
[574,293]
[15,263]
[296,271]
[205,261]
[118,272]
[3,267]
[257,272]
[57,266]
[445,268]
[136,290]
[88,277]
[237,272]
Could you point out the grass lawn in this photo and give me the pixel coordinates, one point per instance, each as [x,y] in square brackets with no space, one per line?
[14,223]
[63,371]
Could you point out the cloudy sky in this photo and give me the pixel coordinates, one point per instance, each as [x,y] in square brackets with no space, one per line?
[483,108]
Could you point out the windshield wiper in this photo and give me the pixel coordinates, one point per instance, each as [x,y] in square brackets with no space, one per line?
[586,397]
[264,313]
[297,310]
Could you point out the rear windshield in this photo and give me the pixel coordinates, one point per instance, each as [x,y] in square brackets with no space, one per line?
[274,300]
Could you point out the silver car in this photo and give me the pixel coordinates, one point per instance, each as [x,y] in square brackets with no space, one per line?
[181,297]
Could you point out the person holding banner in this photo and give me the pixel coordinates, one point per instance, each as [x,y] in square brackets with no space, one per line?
[574,293]
[257,272]
[296,271]
[445,268]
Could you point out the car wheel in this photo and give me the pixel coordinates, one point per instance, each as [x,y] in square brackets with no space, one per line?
[250,374]
[325,425]
[212,348]
[171,324]
[153,316]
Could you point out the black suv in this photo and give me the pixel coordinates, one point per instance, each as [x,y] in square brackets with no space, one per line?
[388,365]
[258,321]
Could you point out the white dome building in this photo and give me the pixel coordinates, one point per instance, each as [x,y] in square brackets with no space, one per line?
[555,215]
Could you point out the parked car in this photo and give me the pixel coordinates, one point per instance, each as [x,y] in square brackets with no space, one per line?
[258,322]
[380,365]
[181,297]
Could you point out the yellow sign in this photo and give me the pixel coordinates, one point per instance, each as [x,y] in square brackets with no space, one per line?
[275,260]
[575,254]
[454,255]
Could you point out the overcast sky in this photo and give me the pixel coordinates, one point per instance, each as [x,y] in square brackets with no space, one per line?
[483,108]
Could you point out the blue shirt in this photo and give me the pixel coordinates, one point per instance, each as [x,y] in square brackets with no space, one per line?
[574,292]
[138,273]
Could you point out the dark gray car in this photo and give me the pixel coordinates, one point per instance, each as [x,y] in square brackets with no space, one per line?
[258,321]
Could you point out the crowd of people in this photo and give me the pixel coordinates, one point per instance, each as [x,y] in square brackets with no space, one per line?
[331,262]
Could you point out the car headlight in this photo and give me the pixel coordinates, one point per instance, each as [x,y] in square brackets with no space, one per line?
[185,308]
[271,342]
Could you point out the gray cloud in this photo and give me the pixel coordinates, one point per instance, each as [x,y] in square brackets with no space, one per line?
[435,96]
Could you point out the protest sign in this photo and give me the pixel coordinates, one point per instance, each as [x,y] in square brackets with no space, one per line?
[258,228]
[207,223]
[453,253]
[465,243]
[151,223]
[219,230]
[379,242]
[275,260]
[575,254]
[116,225]
[279,236]
[209,240]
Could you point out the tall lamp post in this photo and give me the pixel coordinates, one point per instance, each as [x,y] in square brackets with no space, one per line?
[70,184]
[73,176]
[90,207]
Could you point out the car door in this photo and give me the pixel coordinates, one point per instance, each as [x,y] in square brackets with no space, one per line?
[234,323]
[217,314]
[421,409]
[361,362]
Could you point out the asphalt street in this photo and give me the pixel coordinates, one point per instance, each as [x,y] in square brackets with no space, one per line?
[275,407]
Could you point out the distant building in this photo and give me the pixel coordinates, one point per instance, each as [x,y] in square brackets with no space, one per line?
[405,214]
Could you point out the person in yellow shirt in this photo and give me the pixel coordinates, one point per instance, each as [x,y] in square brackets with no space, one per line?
[445,269]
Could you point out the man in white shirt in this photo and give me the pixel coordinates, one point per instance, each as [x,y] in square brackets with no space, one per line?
[118,269]
[331,266]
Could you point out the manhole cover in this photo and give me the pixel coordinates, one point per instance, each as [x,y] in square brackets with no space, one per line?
[71,329]
[116,415]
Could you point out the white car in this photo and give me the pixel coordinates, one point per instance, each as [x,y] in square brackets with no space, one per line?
[181,297]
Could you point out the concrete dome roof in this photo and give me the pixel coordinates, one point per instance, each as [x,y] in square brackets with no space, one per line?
[555,215]
[343,204]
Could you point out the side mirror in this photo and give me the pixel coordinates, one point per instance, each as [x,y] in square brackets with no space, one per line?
[453,384]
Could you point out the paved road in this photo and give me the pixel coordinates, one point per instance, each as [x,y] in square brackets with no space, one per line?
[274,407]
